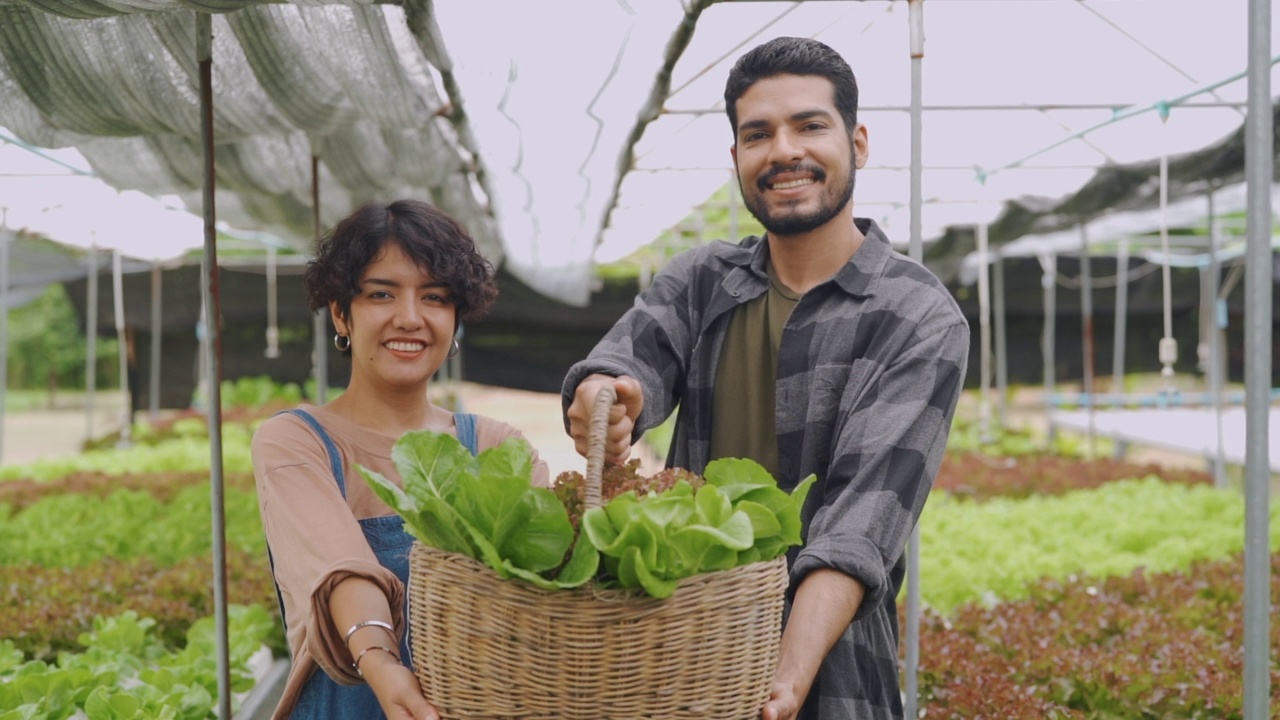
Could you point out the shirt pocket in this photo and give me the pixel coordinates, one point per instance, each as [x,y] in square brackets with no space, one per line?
[839,389]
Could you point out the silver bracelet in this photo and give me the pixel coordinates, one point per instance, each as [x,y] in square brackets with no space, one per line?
[360,657]
[368,623]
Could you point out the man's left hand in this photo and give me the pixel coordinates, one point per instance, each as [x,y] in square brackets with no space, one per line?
[783,703]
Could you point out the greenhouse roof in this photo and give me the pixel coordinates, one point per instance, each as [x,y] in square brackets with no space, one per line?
[559,148]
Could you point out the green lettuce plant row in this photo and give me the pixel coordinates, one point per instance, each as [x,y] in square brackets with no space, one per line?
[73,530]
[992,551]
[126,673]
[179,454]
[485,507]
[968,435]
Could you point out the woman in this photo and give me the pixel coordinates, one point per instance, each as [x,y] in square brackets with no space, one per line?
[397,280]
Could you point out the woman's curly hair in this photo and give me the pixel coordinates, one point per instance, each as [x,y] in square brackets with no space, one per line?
[435,241]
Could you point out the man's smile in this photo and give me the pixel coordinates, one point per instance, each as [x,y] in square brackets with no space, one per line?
[791,177]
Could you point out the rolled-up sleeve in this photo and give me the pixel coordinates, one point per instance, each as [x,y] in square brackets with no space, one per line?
[326,643]
[314,539]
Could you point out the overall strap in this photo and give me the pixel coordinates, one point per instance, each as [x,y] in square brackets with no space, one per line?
[466,424]
[335,458]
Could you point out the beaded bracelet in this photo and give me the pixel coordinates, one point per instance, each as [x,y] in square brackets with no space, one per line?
[368,623]
[359,657]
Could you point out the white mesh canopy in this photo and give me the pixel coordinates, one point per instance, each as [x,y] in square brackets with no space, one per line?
[351,84]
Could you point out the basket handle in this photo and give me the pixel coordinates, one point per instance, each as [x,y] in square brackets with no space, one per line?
[597,433]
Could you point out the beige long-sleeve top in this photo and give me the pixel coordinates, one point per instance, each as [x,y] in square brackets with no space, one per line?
[314,534]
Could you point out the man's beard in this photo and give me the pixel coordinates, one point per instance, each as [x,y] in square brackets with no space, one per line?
[831,202]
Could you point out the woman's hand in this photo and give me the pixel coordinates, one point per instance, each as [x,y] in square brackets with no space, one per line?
[397,688]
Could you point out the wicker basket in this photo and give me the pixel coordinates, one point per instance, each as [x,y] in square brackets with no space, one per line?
[486,647]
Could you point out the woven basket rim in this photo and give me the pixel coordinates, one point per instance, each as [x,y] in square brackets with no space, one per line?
[612,593]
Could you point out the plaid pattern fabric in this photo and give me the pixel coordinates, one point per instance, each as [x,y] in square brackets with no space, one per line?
[869,370]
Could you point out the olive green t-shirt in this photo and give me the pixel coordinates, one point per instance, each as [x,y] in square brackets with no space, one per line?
[743,403]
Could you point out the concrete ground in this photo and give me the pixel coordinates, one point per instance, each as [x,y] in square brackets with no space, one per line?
[45,432]
[35,434]
[537,415]
[1026,410]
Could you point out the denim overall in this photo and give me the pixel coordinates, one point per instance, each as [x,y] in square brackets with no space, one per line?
[321,697]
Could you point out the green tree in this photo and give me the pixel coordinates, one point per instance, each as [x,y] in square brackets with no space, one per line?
[46,344]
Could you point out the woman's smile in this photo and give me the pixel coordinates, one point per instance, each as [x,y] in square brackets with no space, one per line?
[405,347]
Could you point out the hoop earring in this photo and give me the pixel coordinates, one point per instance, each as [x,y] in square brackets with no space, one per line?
[342,342]
[453,348]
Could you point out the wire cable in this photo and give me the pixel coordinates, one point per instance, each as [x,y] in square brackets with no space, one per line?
[1174,66]
[517,166]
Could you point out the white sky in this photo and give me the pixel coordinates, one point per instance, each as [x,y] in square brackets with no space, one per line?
[42,195]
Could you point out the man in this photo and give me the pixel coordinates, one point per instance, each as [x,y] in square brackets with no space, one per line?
[816,349]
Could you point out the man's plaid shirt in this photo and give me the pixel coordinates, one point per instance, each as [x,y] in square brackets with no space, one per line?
[870,367]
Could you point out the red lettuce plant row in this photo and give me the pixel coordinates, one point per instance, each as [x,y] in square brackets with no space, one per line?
[164,486]
[1166,645]
[966,474]
[44,610]
[980,476]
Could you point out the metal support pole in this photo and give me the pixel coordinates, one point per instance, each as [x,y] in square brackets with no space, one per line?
[202,365]
[1215,325]
[1122,319]
[1086,328]
[320,369]
[984,337]
[1204,315]
[91,340]
[4,322]
[1049,282]
[733,207]
[1257,377]
[273,328]
[213,329]
[122,344]
[1002,345]
[1168,348]
[319,327]
[451,373]
[915,19]
[157,327]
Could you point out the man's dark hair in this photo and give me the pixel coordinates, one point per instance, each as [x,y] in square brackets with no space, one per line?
[435,242]
[793,56]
